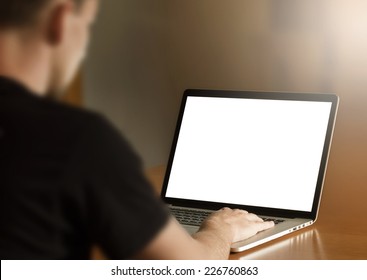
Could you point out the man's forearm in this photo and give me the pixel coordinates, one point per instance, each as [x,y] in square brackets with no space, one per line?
[214,243]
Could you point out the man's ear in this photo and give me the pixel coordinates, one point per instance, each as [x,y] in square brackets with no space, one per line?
[57,22]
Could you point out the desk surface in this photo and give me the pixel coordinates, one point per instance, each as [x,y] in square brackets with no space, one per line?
[339,233]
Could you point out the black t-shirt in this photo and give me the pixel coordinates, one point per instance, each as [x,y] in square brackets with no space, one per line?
[69,180]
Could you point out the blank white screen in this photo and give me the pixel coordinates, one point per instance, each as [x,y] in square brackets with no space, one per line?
[255,152]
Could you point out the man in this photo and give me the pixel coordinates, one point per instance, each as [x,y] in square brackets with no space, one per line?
[68,179]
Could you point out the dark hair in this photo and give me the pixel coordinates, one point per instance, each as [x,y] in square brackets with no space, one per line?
[15,13]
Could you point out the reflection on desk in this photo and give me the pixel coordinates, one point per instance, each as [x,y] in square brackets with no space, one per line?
[308,242]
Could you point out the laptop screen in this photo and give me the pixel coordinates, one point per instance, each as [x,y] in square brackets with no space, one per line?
[255,152]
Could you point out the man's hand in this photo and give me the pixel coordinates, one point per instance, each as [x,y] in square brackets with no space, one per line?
[239,223]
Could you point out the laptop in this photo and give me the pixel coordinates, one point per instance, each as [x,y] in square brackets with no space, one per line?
[264,152]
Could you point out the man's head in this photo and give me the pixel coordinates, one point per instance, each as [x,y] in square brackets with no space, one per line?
[50,36]
[21,12]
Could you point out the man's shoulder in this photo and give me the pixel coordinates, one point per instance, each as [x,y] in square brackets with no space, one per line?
[23,107]
[47,121]
[70,115]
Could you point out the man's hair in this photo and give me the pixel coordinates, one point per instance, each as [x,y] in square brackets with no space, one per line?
[16,13]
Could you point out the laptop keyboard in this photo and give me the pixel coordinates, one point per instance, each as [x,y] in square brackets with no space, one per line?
[196,217]
[190,217]
[275,220]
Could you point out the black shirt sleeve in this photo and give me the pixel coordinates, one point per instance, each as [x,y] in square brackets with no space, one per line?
[122,211]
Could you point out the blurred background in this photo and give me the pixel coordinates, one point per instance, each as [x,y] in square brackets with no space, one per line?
[145,53]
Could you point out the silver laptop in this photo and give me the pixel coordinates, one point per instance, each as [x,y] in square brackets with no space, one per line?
[265,152]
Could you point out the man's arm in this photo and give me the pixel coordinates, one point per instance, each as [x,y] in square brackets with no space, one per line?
[212,241]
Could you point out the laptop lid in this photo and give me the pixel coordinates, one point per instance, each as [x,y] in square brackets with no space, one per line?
[265,152]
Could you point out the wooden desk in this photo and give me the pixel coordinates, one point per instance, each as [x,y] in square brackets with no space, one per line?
[339,233]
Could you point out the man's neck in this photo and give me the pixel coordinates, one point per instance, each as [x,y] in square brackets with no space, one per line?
[23,59]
